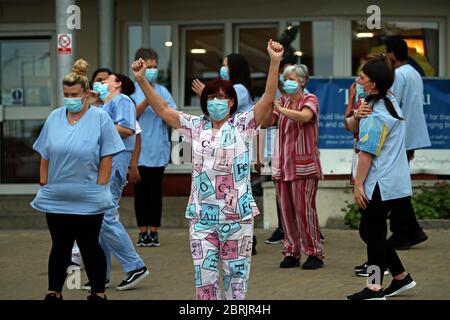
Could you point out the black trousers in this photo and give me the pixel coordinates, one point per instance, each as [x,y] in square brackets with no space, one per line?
[64,230]
[403,219]
[148,196]
[373,231]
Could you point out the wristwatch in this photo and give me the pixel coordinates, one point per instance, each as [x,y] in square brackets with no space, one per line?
[356,115]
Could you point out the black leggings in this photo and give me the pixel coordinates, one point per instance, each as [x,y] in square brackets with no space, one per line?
[85,229]
[148,196]
[373,231]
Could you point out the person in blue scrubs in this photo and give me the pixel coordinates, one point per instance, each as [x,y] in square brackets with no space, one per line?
[382,178]
[154,156]
[76,145]
[114,91]
[97,76]
[408,90]
[234,68]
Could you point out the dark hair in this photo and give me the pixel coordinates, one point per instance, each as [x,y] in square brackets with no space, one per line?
[398,46]
[239,71]
[96,72]
[213,87]
[127,87]
[380,71]
[146,54]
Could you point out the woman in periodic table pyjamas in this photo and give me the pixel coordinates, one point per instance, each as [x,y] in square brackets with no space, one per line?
[221,207]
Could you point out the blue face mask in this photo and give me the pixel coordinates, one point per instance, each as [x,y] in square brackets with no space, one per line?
[360,93]
[224,73]
[73,105]
[217,109]
[290,86]
[102,89]
[151,74]
[281,79]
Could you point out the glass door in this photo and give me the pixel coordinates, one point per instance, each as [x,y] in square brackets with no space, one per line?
[27,90]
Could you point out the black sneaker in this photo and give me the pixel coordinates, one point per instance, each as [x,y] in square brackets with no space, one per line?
[53,297]
[365,273]
[322,238]
[276,237]
[417,238]
[254,246]
[399,243]
[144,240]
[367,294]
[398,286]
[361,267]
[87,285]
[312,263]
[290,262]
[94,297]
[133,278]
[154,242]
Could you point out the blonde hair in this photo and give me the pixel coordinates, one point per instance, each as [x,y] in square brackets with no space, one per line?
[78,75]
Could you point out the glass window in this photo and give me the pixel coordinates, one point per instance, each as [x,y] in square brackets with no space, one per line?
[422,39]
[253,46]
[204,55]
[312,44]
[25,72]
[19,162]
[160,40]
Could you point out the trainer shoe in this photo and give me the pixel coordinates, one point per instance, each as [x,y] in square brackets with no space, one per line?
[365,273]
[361,267]
[94,297]
[417,238]
[322,238]
[132,278]
[290,262]
[87,285]
[144,240]
[154,242]
[276,237]
[398,286]
[312,263]
[367,294]
[53,297]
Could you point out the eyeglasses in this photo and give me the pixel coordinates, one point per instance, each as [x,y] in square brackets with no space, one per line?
[217,95]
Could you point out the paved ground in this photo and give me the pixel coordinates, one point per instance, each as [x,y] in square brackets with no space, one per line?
[24,253]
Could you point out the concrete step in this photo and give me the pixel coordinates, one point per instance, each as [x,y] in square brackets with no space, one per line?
[16,213]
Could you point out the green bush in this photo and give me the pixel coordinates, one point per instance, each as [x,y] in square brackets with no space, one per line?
[428,204]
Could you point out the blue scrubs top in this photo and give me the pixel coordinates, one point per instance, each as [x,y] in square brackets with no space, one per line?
[408,90]
[245,102]
[383,136]
[123,112]
[74,153]
[155,145]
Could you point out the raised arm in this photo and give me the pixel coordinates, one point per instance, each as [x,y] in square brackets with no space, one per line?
[161,108]
[264,106]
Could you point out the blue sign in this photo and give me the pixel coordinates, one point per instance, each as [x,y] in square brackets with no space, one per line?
[333,96]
